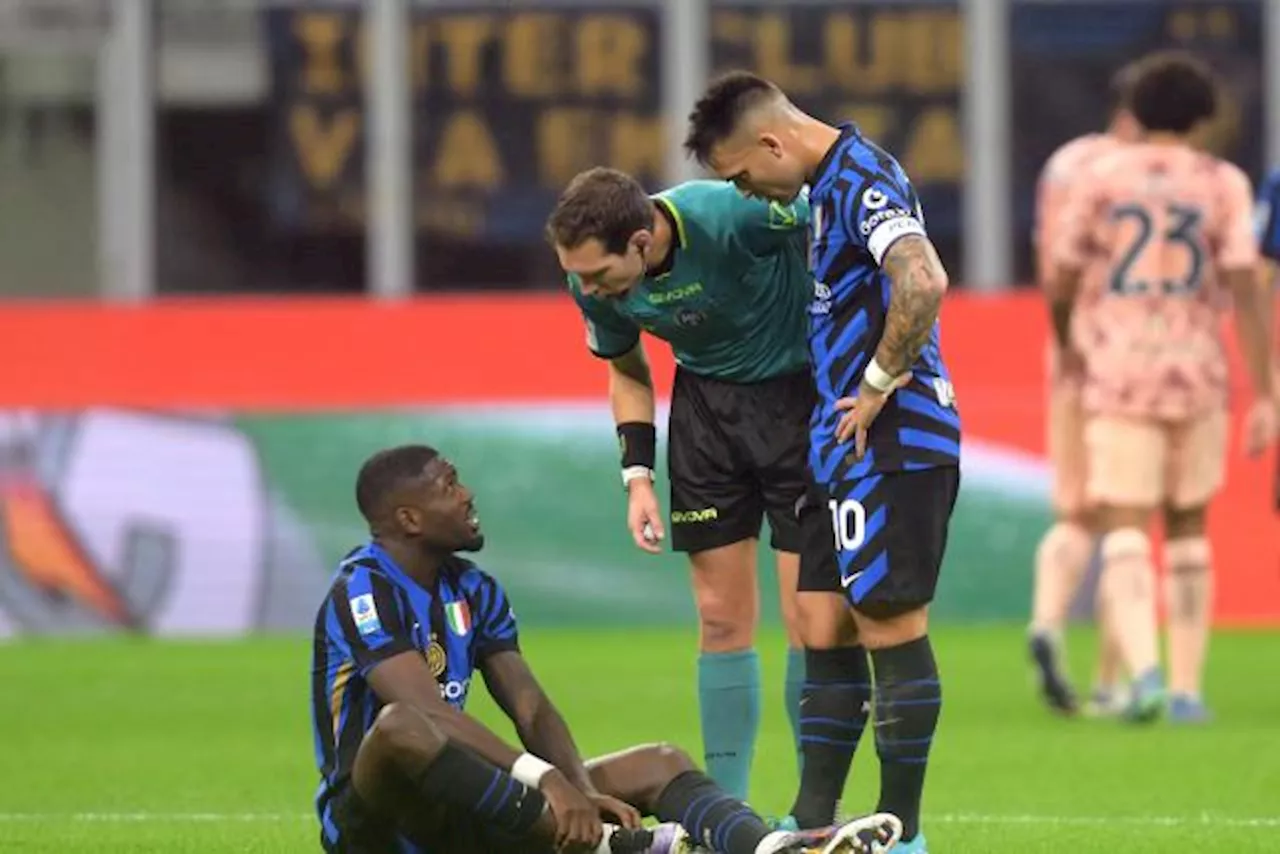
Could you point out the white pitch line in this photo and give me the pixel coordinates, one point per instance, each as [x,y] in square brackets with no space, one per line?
[1203,820]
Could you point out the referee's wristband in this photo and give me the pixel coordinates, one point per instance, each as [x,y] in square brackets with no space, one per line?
[878,378]
[639,443]
[530,770]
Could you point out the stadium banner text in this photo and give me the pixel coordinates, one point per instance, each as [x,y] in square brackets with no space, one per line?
[510,103]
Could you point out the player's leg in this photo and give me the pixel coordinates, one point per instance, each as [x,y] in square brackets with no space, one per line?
[837,689]
[663,781]
[409,781]
[716,514]
[1197,469]
[1062,556]
[1126,481]
[774,438]
[892,530]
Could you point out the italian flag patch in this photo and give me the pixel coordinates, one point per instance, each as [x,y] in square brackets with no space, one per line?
[458,615]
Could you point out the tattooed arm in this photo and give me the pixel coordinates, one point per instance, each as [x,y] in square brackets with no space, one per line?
[919,281]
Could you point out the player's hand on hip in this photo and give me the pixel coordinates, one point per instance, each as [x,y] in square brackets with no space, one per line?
[644,516]
[612,809]
[578,826]
[859,413]
[1261,426]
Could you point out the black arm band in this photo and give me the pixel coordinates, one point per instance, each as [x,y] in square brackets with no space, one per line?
[639,443]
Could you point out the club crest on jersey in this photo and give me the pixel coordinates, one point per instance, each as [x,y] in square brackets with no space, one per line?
[458,616]
[365,614]
[437,661]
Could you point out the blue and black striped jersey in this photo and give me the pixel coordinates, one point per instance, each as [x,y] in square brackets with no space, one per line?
[861,203]
[374,611]
[1266,216]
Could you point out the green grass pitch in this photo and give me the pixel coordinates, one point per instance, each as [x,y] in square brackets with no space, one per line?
[133,745]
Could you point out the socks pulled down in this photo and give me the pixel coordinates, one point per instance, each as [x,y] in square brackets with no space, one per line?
[836,703]
[1128,585]
[1061,561]
[1189,604]
[908,701]
[729,706]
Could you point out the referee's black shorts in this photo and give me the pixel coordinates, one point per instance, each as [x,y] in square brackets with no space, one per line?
[737,453]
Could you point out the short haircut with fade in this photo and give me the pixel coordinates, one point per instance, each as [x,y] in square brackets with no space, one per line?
[720,110]
[601,204]
[1172,92]
[385,472]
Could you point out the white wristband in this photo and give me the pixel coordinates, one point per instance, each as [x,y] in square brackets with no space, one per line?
[878,378]
[631,473]
[530,770]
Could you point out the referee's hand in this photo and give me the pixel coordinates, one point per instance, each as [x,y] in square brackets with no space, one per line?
[644,516]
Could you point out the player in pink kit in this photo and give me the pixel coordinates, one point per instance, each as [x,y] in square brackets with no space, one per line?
[1154,242]
[1064,552]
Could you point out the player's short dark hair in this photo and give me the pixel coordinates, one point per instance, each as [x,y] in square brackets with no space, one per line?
[1172,92]
[716,115]
[385,471]
[601,204]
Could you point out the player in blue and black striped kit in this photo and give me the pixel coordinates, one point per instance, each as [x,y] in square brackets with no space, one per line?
[876,358]
[405,770]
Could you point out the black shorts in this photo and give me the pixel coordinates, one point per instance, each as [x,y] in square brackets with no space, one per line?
[362,830]
[736,453]
[881,539]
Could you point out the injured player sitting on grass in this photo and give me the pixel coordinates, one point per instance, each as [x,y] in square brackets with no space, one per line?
[405,769]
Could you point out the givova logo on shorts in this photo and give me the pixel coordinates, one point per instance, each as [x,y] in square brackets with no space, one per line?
[694,517]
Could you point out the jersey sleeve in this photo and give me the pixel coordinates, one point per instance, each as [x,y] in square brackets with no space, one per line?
[609,334]
[1265,220]
[496,621]
[877,209]
[1238,244]
[369,619]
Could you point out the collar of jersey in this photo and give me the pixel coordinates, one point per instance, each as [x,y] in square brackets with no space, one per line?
[389,566]
[682,238]
[847,131]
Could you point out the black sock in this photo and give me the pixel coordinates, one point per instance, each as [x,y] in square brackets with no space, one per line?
[719,821]
[833,713]
[908,698]
[459,778]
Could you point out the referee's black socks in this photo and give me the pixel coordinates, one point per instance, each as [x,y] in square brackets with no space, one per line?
[834,707]
[908,699]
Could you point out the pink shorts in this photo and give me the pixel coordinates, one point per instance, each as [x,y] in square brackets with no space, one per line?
[1147,464]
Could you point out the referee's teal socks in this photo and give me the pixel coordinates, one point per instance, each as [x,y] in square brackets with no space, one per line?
[729,703]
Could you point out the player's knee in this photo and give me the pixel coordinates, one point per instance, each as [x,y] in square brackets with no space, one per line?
[401,730]
[672,761]
[1126,556]
[1184,523]
[725,623]
[824,621]
[1112,519]
[882,625]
